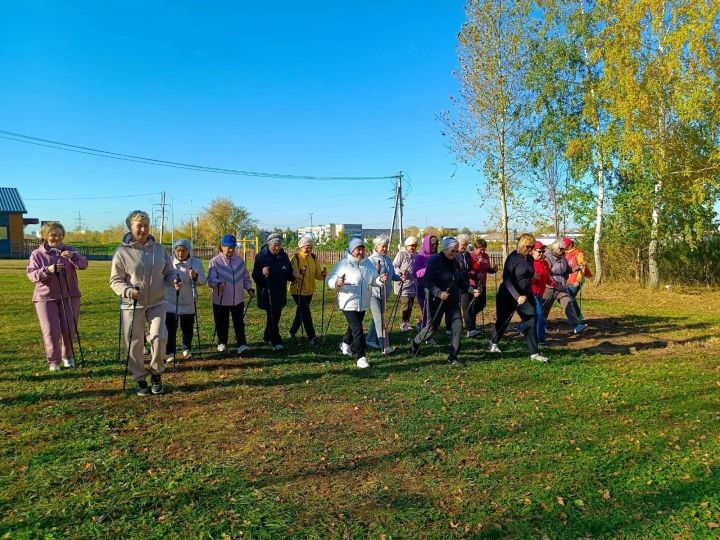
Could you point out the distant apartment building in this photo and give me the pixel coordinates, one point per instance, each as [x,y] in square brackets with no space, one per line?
[323,233]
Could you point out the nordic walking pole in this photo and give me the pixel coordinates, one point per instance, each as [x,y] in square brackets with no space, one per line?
[322,310]
[247,306]
[394,310]
[129,344]
[332,312]
[270,307]
[430,324]
[176,281]
[221,299]
[300,298]
[117,353]
[383,305]
[75,324]
[197,317]
[64,310]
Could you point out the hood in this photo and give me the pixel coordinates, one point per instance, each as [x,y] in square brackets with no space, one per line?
[45,247]
[265,251]
[128,240]
[426,244]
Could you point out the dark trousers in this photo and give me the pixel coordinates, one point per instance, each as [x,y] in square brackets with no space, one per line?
[506,305]
[272,326]
[221,314]
[354,334]
[481,301]
[406,305]
[469,311]
[302,315]
[453,321]
[186,325]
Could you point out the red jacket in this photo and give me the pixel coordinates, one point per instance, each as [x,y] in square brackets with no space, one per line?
[480,266]
[576,257]
[541,279]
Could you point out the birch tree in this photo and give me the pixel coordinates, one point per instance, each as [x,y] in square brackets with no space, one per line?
[492,109]
[661,75]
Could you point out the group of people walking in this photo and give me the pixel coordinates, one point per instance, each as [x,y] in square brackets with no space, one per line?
[158,292]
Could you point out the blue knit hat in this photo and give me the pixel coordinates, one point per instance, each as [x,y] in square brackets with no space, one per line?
[228,240]
[182,242]
[355,242]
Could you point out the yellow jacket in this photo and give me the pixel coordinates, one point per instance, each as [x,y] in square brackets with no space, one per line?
[305,284]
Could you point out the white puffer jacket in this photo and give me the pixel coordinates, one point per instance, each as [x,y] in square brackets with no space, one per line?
[360,277]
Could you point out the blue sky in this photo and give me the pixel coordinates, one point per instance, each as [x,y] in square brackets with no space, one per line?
[318,88]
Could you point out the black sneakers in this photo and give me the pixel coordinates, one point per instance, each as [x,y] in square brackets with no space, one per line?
[142,389]
[157,387]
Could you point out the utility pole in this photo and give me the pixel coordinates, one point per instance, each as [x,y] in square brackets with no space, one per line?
[80,224]
[162,216]
[398,211]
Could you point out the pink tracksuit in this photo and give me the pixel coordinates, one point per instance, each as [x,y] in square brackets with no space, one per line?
[56,298]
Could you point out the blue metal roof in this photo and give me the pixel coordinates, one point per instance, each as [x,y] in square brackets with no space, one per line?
[10,201]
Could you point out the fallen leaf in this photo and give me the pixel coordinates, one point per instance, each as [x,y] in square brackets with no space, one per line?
[560,500]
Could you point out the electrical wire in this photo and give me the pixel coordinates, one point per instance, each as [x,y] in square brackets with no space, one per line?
[57,145]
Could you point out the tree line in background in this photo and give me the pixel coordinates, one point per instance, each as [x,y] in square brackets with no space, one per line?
[604,111]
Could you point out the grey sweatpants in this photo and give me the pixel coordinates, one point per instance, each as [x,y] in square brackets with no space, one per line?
[565,302]
[156,336]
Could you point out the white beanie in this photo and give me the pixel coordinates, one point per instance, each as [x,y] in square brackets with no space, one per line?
[305,241]
[355,242]
[410,240]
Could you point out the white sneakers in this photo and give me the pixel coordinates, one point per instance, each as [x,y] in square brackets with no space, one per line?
[186,353]
[68,362]
[389,350]
[537,357]
[362,363]
[170,359]
[55,367]
[493,348]
[243,348]
[221,347]
[345,349]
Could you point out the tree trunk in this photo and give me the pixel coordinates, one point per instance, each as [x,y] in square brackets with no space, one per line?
[600,204]
[653,269]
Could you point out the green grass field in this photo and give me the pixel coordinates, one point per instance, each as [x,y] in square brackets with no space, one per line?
[619,436]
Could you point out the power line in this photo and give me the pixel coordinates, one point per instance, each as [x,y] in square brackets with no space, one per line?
[57,145]
[95,198]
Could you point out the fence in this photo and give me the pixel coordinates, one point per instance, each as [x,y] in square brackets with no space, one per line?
[246,248]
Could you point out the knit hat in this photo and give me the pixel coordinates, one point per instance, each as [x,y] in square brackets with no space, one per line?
[410,240]
[305,241]
[355,242]
[449,242]
[228,240]
[539,245]
[568,242]
[274,238]
[182,242]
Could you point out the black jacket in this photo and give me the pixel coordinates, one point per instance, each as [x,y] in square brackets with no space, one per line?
[443,274]
[517,275]
[276,282]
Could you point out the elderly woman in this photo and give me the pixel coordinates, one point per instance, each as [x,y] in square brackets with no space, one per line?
[515,294]
[404,265]
[229,279]
[306,270]
[429,248]
[377,337]
[468,304]
[354,277]
[481,268]
[53,269]
[139,272]
[271,273]
[559,272]
[445,282]
[181,303]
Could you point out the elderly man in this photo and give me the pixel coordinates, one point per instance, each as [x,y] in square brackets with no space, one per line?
[445,282]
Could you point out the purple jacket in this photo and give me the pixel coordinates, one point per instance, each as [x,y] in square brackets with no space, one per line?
[421,262]
[234,274]
[48,287]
